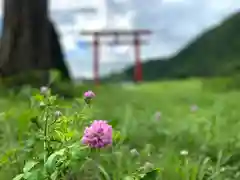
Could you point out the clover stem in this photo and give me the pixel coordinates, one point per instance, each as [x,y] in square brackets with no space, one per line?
[45,145]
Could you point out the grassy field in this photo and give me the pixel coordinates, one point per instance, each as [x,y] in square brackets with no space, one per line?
[184,143]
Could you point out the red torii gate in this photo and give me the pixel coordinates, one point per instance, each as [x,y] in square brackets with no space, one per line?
[116,33]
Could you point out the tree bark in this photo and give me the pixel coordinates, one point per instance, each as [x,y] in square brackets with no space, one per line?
[27,43]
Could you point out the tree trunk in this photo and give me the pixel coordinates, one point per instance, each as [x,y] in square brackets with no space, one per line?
[26,41]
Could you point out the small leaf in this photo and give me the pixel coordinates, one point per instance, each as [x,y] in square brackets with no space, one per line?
[103,171]
[51,161]
[18,177]
[78,152]
[5,158]
[39,97]
[27,175]
[33,175]
[152,175]
[54,175]
[129,178]
[29,165]
[60,135]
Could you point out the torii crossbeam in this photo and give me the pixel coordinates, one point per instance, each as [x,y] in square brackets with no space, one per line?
[116,34]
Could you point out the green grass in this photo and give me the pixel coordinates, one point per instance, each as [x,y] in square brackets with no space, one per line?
[210,135]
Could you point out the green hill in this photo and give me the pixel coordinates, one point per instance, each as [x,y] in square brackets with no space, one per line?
[213,53]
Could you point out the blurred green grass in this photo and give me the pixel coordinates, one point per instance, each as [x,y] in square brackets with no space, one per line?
[212,129]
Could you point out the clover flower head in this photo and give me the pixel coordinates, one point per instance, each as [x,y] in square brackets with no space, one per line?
[194,108]
[57,114]
[158,115]
[98,134]
[44,90]
[184,152]
[148,166]
[134,152]
[89,94]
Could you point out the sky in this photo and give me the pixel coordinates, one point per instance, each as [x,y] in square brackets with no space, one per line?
[174,23]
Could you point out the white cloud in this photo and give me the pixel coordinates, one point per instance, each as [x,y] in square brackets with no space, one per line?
[121,1]
[120,21]
[1,8]
[175,1]
[70,29]
[82,23]
[68,43]
[74,4]
[79,20]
